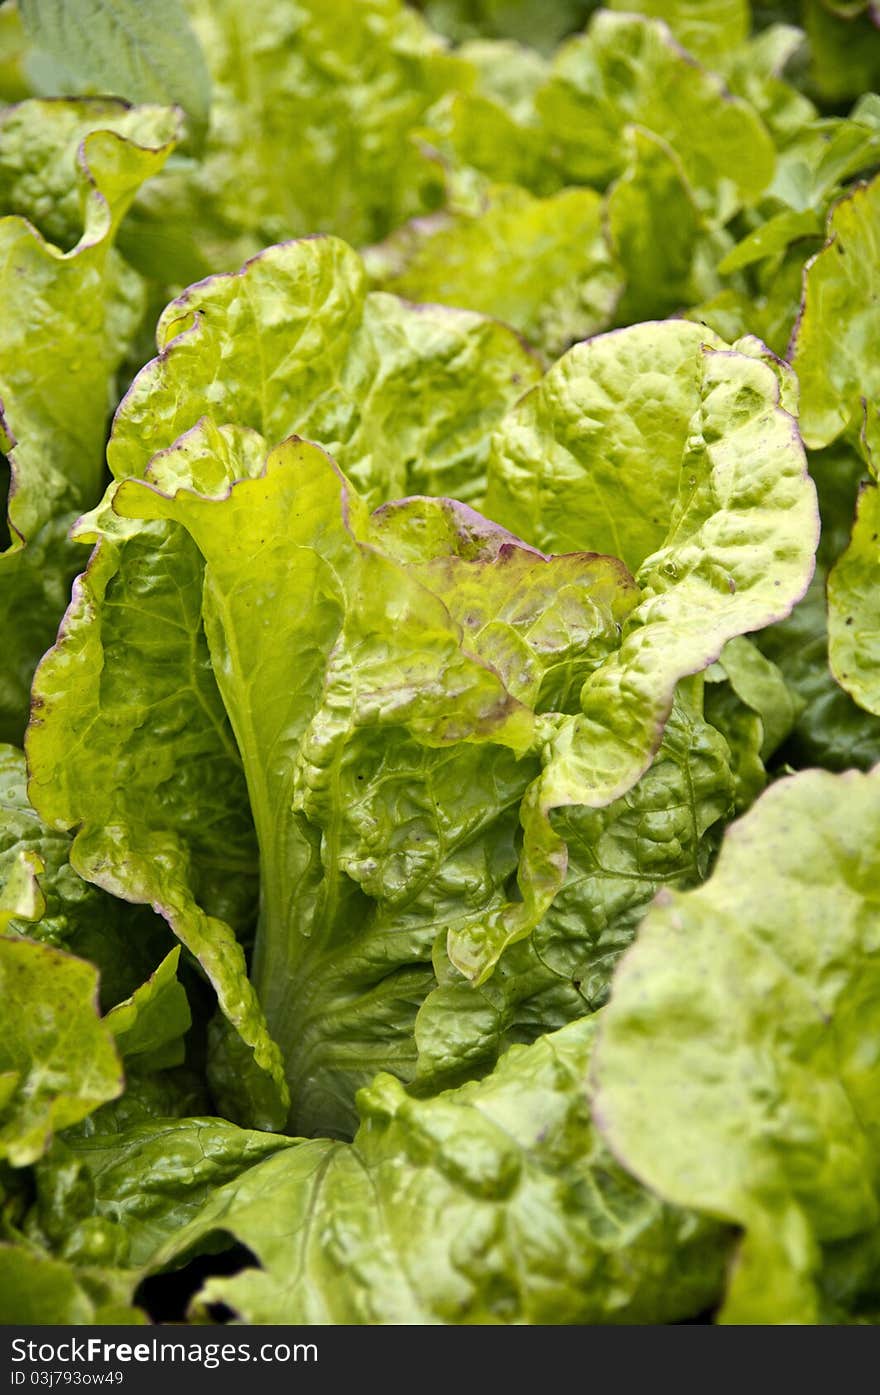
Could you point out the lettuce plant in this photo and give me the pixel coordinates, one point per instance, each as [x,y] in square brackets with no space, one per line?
[438,874]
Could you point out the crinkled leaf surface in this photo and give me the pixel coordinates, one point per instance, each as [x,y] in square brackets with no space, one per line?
[127,715]
[404,397]
[663,447]
[663,832]
[136,1186]
[492,1203]
[836,347]
[627,70]
[541,265]
[420,652]
[76,194]
[351,81]
[471,765]
[737,1065]
[68,172]
[57,1058]
[52,904]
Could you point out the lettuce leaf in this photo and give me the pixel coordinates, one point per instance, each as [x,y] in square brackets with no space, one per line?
[747,1010]
[150,1025]
[117,46]
[347,752]
[663,832]
[845,49]
[655,229]
[351,81]
[68,172]
[109,1185]
[47,900]
[710,33]
[57,1063]
[854,606]
[205,849]
[835,343]
[295,342]
[721,540]
[831,730]
[493,258]
[627,70]
[353,812]
[36,1289]
[541,23]
[516,1171]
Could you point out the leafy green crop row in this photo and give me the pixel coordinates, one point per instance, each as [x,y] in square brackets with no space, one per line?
[396,661]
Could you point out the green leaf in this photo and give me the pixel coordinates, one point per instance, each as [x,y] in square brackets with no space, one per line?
[42,897]
[369,792]
[736,1065]
[850,1280]
[845,51]
[743,731]
[482,134]
[709,32]
[540,23]
[765,304]
[821,156]
[57,1058]
[294,343]
[539,1224]
[654,227]
[140,1184]
[36,1289]
[771,238]
[352,82]
[541,265]
[854,607]
[143,50]
[700,476]
[14,86]
[754,71]
[662,833]
[68,172]
[627,71]
[750,700]
[836,347]
[759,684]
[832,730]
[150,1024]
[143,674]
